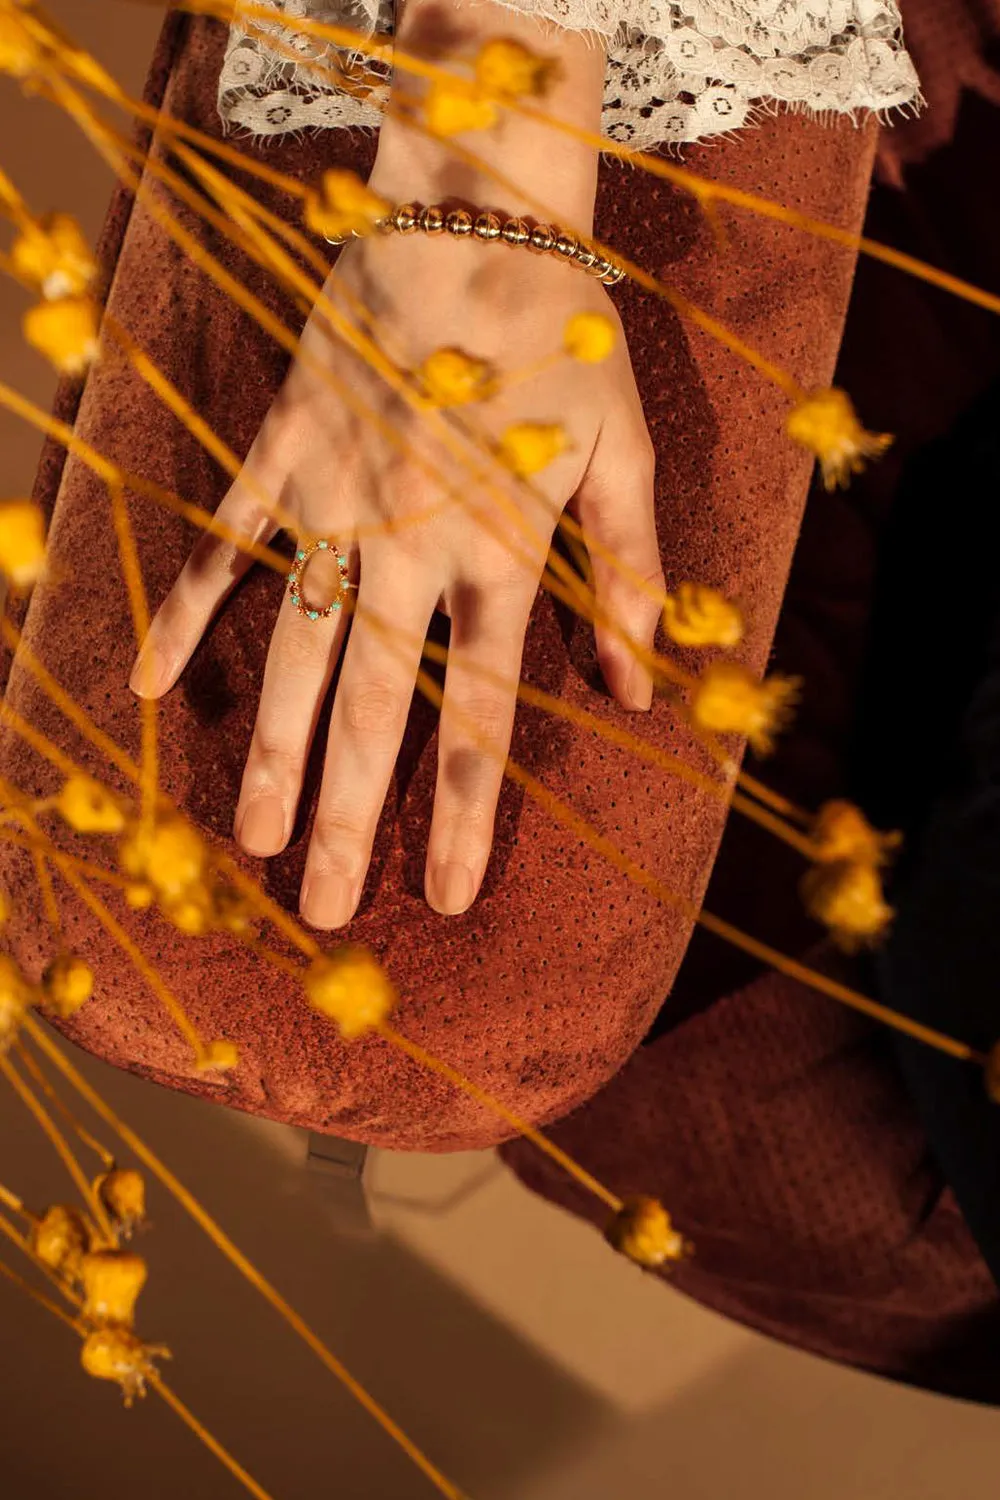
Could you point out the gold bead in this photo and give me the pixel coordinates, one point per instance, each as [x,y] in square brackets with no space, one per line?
[543,237]
[487,227]
[586,257]
[406,219]
[459,223]
[432,220]
[515,232]
[616,274]
[567,245]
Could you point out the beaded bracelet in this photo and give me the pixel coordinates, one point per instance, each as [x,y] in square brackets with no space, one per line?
[543,239]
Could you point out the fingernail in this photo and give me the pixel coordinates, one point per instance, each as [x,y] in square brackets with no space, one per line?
[453,889]
[261,829]
[640,686]
[149,674]
[327,900]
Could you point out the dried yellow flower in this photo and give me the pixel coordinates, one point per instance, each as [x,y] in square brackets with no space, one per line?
[511,70]
[20,52]
[54,254]
[825,422]
[453,106]
[841,831]
[730,700]
[88,808]
[61,1239]
[220,1056]
[699,616]
[112,1281]
[168,855]
[847,898]
[22,542]
[122,1192]
[642,1229]
[589,337]
[343,206]
[15,1000]
[68,983]
[451,378]
[139,896]
[352,988]
[192,917]
[117,1354]
[528,447]
[65,331]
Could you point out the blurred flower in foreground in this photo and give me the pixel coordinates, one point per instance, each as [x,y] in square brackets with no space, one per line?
[20,53]
[111,1281]
[219,1057]
[825,422]
[67,984]
[528,447]
[54,254]
[847,898]
[453,106]
[730,700]
[22,542]
[589,337]
[65,332]
[351,987]
[643,1231]
[511,70]
[699,616]
[841,831]
[343,205]
[88,808]
[16,997]
[451,378]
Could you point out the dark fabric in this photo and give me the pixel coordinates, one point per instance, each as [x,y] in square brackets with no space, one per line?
[544,988]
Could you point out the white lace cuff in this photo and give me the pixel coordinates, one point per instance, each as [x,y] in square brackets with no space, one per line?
[678,70]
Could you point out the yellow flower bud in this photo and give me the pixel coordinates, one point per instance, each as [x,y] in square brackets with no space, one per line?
[528,447]
[22,542]
[220,1056]
[343,206]
[61,1239]
[88,808]
[116,1354]
[68,983]
[192,917]
[511,70]
[122,1192]
[643,1231]
[65,332]
[350,987]
[170,856]
[139,896]
[841,832]
[453,107]
[847,898]
[825,422]
[700,616]
[54,254]
[112,1281]
[730,700]
[451,378]
[15,1000]
[589,337]
[20,53]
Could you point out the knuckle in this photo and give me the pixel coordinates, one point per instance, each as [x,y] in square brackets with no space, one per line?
[485,716]
[374,709]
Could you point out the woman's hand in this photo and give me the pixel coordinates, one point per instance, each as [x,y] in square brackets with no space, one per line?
[343,477]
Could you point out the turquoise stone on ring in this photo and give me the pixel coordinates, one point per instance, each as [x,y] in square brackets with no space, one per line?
[296,580]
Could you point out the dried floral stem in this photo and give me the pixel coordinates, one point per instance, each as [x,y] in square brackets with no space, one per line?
[41,1299]
[201,1432]
[489,1101]
[30,1065]
[236,1257]
[62,1147]
[12,1201]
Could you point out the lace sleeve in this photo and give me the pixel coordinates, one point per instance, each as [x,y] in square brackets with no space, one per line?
[678,70]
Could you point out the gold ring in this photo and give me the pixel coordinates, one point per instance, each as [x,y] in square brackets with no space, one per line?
[303,554]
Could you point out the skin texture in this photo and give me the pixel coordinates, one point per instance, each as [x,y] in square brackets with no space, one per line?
[337,480]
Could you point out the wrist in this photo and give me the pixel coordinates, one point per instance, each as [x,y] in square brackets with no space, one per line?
[541,164]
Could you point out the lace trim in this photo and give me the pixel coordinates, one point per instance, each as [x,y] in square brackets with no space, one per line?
[678,70]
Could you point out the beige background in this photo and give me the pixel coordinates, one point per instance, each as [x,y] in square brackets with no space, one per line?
[531,1362]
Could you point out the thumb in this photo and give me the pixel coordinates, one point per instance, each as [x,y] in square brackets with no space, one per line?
[614,505]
